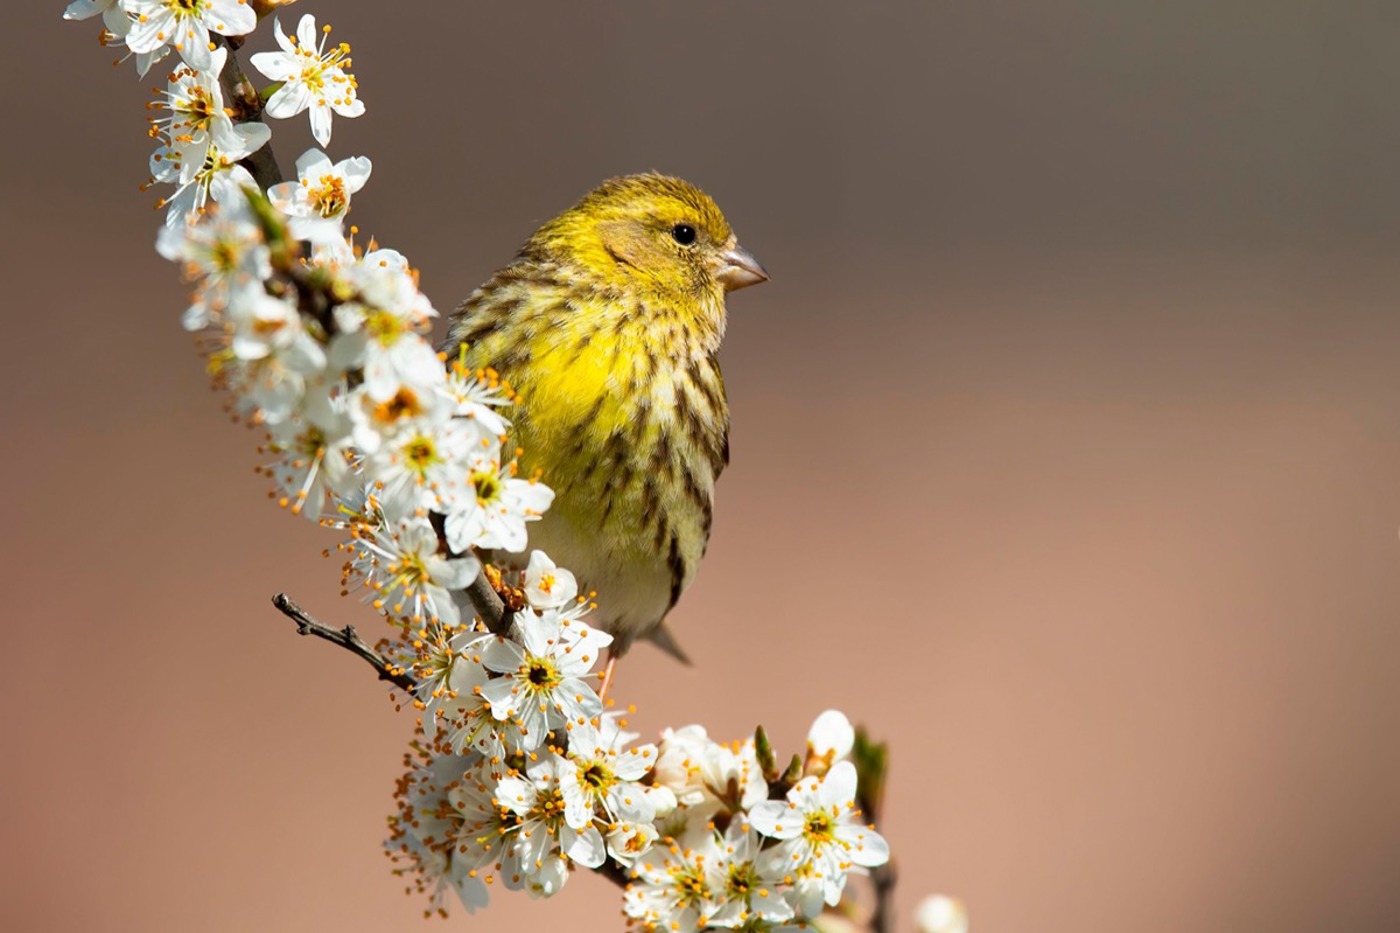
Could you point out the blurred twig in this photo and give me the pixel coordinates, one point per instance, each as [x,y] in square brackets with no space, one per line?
[883,880]
[872,761]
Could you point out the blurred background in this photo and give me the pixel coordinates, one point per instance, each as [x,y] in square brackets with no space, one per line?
[1066,453]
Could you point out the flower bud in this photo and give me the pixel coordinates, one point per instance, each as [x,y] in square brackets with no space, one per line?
[829,741]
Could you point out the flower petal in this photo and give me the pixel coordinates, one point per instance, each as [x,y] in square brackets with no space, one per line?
[291,99]
[776,819]
[275,66]
[232,17]
[586,848]
[838,788]
[356,172]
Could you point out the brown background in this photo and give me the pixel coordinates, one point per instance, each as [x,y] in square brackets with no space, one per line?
[1066,453]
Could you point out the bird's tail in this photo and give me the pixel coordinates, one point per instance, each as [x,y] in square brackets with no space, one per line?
[665,639]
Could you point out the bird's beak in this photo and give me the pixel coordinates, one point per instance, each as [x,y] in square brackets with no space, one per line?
[740,269]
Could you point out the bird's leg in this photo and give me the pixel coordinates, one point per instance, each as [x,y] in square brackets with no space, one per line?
[607,676]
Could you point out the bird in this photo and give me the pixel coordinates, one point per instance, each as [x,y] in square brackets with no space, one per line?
[606,326]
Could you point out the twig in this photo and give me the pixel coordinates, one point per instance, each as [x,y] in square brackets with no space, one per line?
[240,93]
[346,638]
[883,879]
[494,614]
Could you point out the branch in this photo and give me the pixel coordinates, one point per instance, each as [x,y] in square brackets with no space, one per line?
[489,606]
[346,638]
[240,94]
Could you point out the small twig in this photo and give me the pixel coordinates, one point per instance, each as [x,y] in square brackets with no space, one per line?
[883,879]
[346,638]
[240,94]
[487,602]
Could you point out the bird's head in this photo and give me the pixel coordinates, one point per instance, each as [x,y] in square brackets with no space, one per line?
[654,233]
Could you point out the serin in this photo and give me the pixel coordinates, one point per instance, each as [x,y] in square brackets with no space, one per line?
[608,323]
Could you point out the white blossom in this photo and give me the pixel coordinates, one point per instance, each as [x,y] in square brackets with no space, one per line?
[331,249]
[145,61]
[422,468]
[186,25]
[546,833]
[386,281]
[269,370]
[322,191]
[707,777]
[753,889]
[629,841]
[314,456]
[457,716]
[213,173]
[313,78]
[379,332]
[821,839]
[477,394]
[408,409]
[195,105]
[678,886]
[435,654]
[262,325]
[224,253]
[544,687]
[400,565]
[495,507]
[114,15]
[436,811]
[603,775]
[547,585]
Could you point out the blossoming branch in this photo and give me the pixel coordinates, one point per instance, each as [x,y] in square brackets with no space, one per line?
[520,775]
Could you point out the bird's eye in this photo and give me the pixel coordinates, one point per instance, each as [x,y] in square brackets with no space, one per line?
[684,234]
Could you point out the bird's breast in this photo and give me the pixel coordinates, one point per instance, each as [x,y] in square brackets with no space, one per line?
[622,410]
[629,437]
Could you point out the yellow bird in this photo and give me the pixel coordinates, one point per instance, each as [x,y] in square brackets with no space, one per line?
[607,323]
